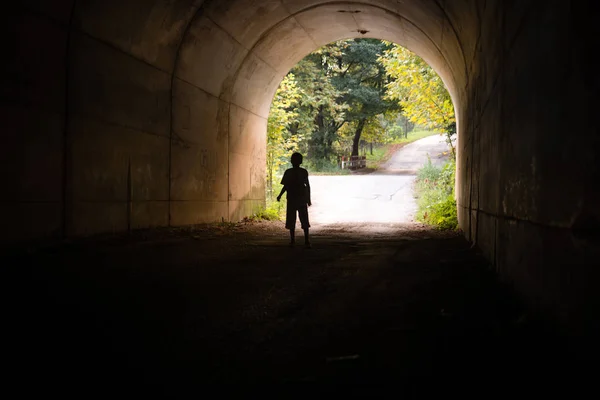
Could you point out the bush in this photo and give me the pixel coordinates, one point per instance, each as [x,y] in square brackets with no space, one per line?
[323,167]
[268,214]
[435,195]
[428,173]
[272,212]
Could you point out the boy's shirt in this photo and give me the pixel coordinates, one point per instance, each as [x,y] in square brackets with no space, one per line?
[296,182]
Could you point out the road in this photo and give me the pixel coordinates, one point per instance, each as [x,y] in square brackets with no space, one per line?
[380,197]
[412,156]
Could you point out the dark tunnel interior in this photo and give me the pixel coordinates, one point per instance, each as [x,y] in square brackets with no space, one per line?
[128,124]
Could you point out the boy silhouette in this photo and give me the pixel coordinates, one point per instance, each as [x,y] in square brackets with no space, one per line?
[295,183]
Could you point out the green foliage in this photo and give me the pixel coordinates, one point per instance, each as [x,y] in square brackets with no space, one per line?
[435,195]
[320,113]
[412,136]
[280,143]
[274,210]
[347,94]
[342,93]
[379,153]
[268,214]
[428,173]
[325,167]
[420,91]
[397,127]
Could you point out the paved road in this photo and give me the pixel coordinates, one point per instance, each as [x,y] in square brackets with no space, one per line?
[412,156]
[362,198]
[385,196]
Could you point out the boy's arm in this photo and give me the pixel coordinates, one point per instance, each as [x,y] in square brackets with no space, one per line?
[283,182]
[308,190]
[283,189]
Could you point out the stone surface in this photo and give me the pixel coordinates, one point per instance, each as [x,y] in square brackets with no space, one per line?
[115,87]
[199,172]
[197,212]
[104,155]
[150,31]
[209,57]
[246,20]
[32,166]
[255,85]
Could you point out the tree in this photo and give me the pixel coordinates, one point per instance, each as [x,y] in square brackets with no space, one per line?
[283,113]
[343,85]
[363,80]
[320,114]
[341,98]
[420,91]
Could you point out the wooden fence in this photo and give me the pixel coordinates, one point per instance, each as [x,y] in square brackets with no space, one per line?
[354,162]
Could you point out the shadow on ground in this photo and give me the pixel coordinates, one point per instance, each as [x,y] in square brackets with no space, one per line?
[411,310]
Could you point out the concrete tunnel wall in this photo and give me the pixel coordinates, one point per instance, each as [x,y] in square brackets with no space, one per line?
[125,115]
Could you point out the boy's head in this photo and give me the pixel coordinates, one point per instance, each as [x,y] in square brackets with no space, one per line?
[296,159]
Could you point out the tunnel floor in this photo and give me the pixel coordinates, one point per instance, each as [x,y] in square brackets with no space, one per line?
[172,310]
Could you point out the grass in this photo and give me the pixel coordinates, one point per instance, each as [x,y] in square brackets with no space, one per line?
[415,135]
[434,189]
[380,155]
[274,210]
[324,168]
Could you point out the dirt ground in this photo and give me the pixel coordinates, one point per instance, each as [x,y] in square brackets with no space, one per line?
[368,309]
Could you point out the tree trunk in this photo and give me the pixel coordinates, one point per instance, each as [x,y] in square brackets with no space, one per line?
[317,142]
[371,147]
[319,119]
[270,174]
[357,133]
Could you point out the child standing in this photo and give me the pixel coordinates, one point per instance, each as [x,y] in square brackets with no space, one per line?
[295,183]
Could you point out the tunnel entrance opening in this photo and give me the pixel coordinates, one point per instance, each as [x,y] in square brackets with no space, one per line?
[348,93]
[280,48]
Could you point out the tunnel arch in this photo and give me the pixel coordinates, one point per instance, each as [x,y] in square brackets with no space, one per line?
[140,114]
[290,31]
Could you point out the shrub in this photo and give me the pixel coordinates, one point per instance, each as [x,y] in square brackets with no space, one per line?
[428,172]
[274,210]
[324,167]
[268,214]
[435,195]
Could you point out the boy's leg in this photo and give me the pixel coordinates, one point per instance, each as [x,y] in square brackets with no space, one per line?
[290,222]
[306,241]
[303,215]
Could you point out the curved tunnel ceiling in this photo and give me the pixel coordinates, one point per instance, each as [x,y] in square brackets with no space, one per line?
[239,50]
[273,38]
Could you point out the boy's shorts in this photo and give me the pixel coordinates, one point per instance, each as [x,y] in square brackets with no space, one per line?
[290,218]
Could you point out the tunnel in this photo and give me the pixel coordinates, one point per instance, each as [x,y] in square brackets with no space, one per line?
[128,115]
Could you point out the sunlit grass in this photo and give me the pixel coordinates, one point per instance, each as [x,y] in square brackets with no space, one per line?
[434,190]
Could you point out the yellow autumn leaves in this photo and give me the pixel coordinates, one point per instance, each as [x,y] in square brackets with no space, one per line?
[418,88]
